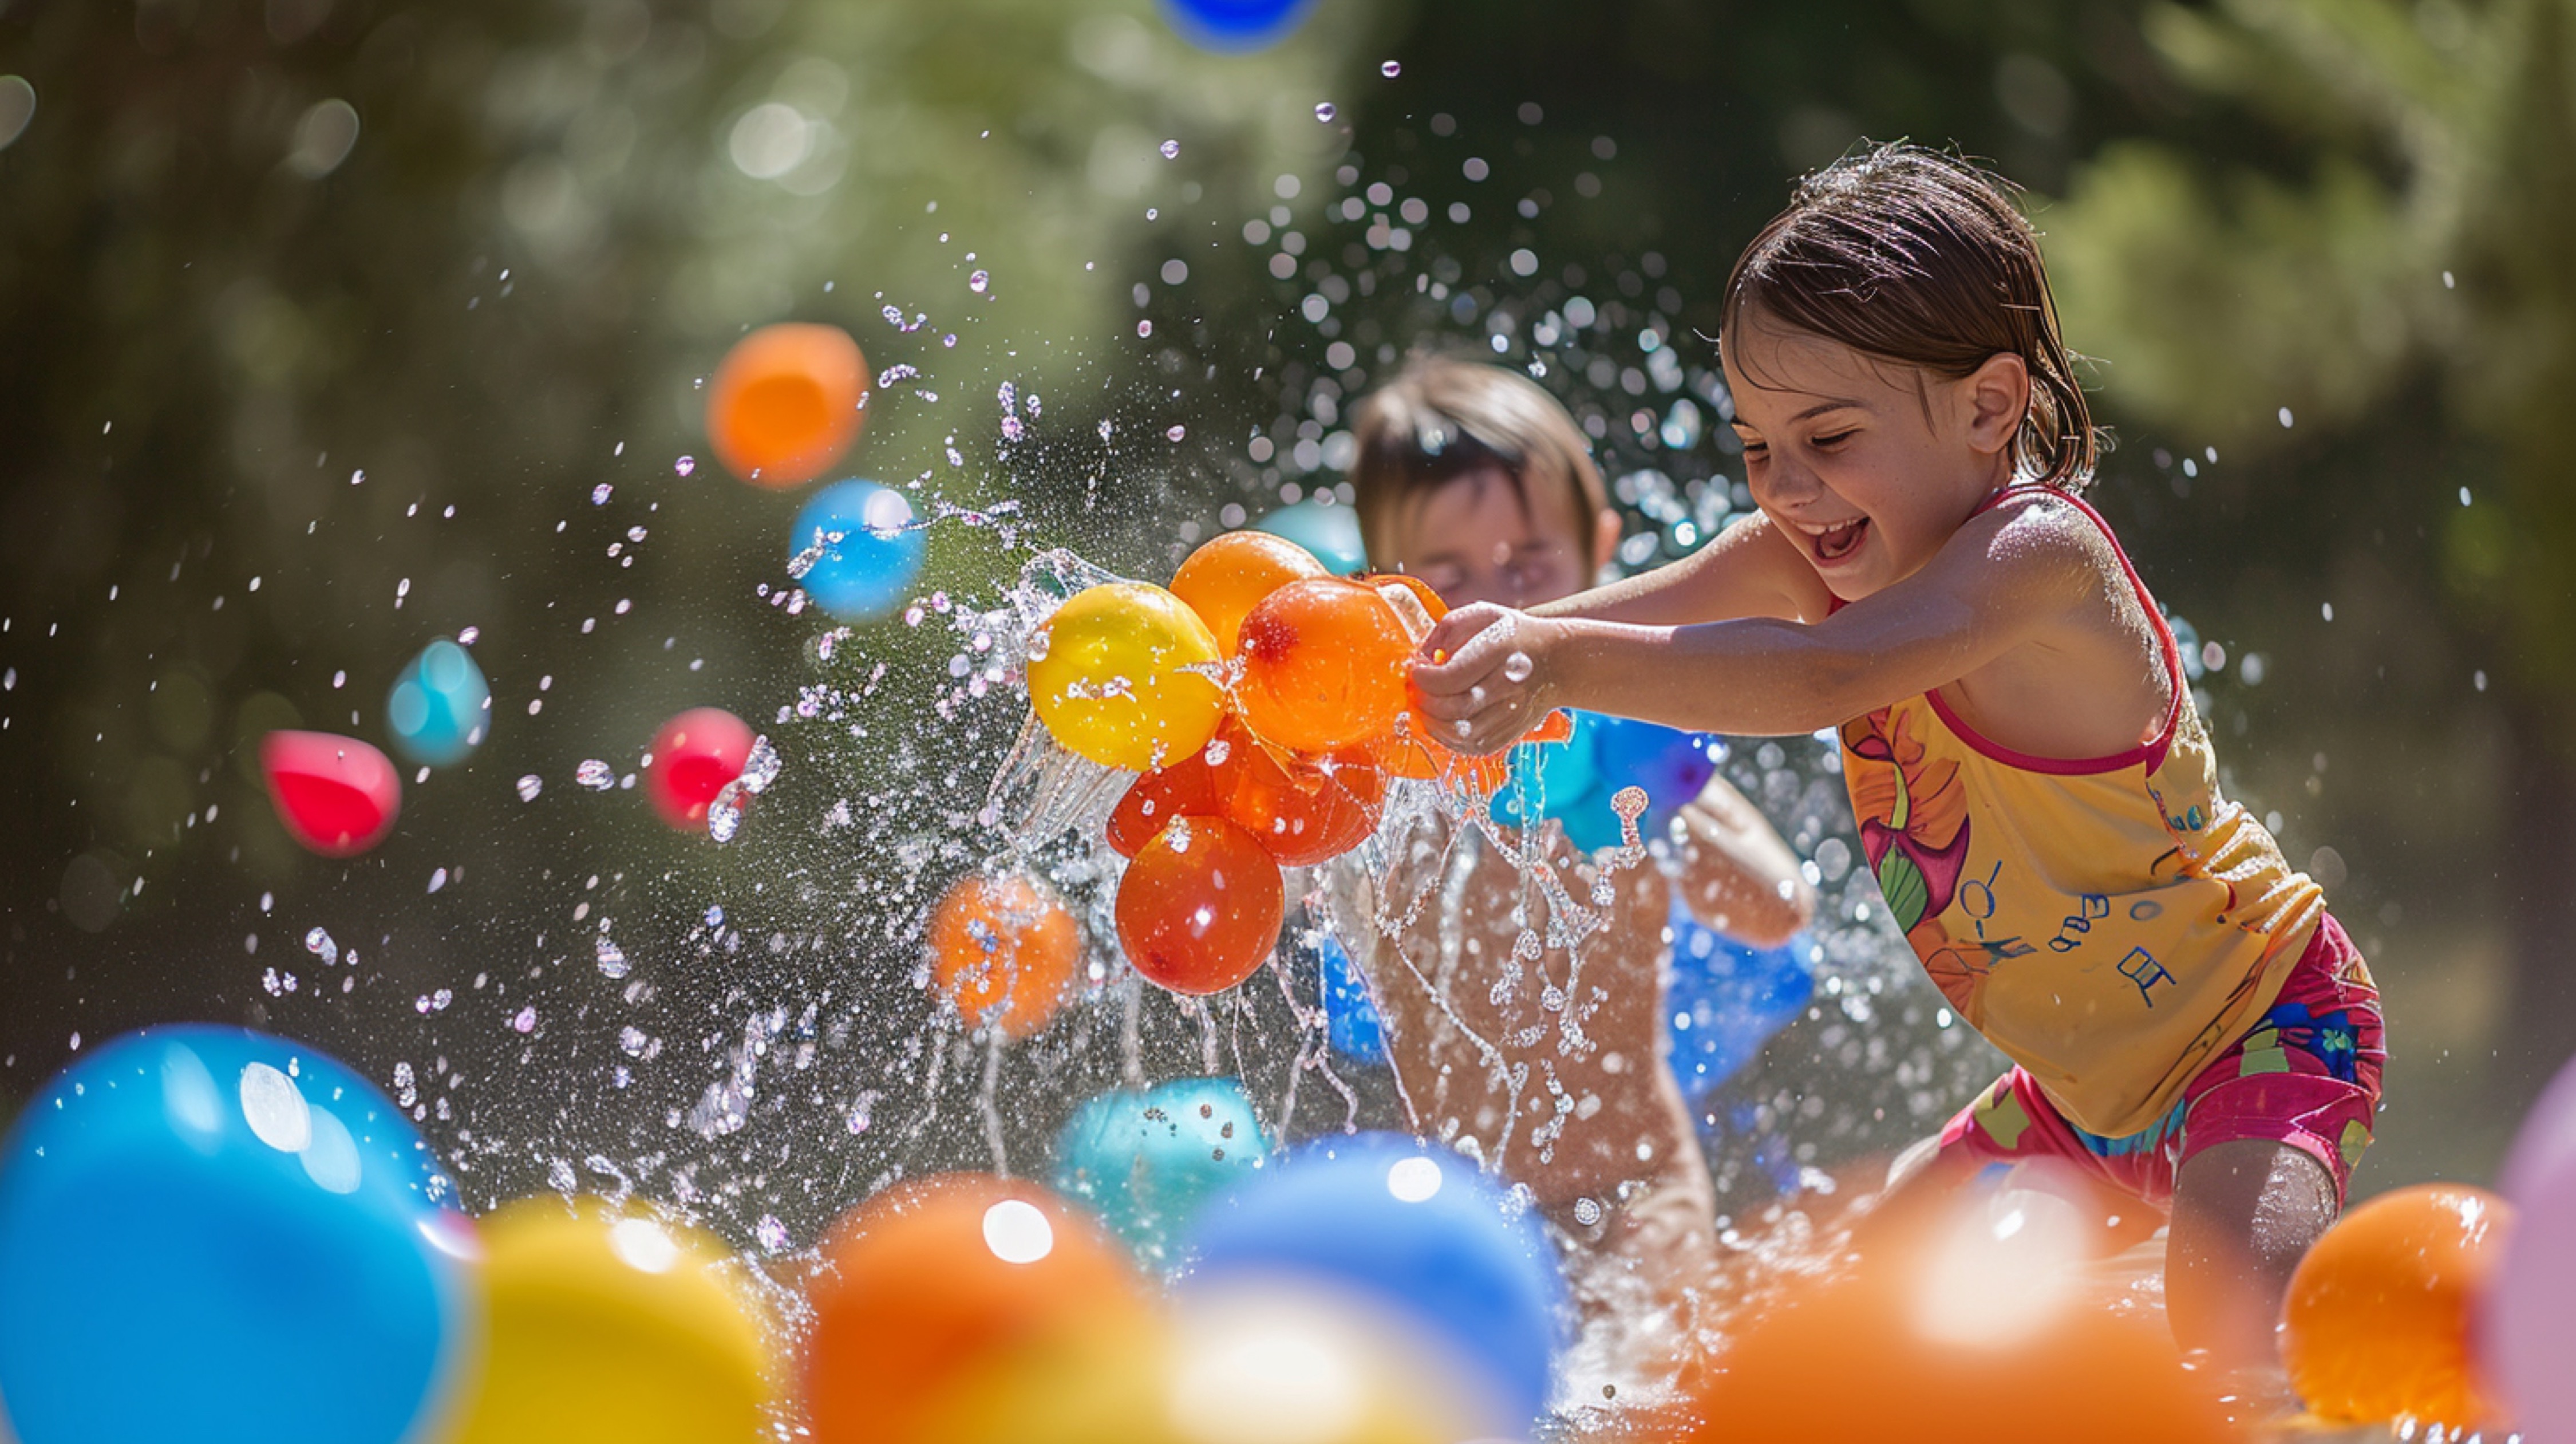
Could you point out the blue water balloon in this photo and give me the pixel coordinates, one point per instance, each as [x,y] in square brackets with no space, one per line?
[1147,1162]
[219,1236]
[869,570]
[1233,26]
[1574,781]
[440,708]
[1351,1022]
[1419,1233]
[1728,999]
[1331,533]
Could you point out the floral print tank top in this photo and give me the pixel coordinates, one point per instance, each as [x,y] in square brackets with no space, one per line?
[2110,924]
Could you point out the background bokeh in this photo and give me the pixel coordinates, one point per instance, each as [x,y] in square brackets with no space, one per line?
[331,326]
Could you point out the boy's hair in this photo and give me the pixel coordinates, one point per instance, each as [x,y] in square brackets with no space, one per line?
[1442,418]
[1923,258]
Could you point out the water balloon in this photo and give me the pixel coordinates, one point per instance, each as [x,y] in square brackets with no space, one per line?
[336,795]
[694,756]
[1187,788]
[1200,907]
[1301,812]
[1005,951]
[609,1326]
[1118,675]
[786,402]
[2379,1316]
[2528,1317]
[1146,1162]
[1331,533]
[1228,576]
[216,1235]
[1351,1022]
[932,1290]
[1324,666]
[1233,26]
[859,549]
[1420,1235]
[440,708]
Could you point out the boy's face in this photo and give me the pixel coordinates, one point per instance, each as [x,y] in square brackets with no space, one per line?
[1863,470]
[1473,541]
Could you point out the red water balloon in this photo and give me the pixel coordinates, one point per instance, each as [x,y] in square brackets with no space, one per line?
[1200,907]
[694,756]
[1302,811]
[338,796]
[1187,788]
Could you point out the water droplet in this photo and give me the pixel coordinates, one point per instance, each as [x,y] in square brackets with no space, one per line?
[685,465]
[771,1233]
[529,786]
[978,281]
[1171,150]
[612,959]
[1144,328]
[724,815]
[1587,1212]
[715,916]
[1176,433]
[632,1039]
[1518,666]
[1391,69]
[596,775]
[526,1021]
[760,767]
[1325,112]
[319,944]
[599,494]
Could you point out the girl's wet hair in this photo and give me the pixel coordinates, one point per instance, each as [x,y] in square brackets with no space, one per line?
[1442,418]
[1922,258]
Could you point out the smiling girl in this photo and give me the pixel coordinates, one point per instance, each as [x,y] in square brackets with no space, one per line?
[2034,790]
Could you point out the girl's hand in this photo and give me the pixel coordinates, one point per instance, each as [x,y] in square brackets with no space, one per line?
[1485,676]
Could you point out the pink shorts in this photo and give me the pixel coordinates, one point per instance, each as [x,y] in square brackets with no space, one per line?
[2306,1075]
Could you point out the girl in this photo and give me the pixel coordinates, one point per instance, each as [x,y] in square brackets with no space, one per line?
[2034,790]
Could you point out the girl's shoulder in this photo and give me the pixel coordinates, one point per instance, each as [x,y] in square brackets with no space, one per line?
[2051,537]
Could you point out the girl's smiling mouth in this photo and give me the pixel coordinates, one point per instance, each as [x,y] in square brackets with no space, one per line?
[1835,541]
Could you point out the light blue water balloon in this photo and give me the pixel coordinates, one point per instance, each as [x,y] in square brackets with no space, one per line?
[1332,533]
[1146,1162]
[440,708]
[869,570]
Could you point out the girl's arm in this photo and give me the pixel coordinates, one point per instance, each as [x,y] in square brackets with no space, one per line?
[2001,581]
[1747,570]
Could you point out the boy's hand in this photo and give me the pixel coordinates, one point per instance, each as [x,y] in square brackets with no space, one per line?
[1483,677]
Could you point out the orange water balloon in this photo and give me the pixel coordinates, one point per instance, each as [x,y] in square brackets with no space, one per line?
[928,1292]
[1323,666]
[1005,950]
[1224,579]
[2377,1323]
[1301,812]
[1200,907]
[1187,788]
[787,402]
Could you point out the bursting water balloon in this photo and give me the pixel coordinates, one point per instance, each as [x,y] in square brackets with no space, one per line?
[440,708]
[1323,666]
[215,1235]
[860,550]
[1005,951]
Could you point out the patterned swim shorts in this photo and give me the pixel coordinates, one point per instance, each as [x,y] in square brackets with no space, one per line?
[2307,1076]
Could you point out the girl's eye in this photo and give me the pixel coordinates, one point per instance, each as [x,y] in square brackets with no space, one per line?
[1836,439]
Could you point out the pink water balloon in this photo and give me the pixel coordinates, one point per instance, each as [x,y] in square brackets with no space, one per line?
[2531,1315]
[694,756]
[336,795]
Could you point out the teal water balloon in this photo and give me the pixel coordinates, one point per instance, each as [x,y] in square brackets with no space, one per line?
[440,708]
[215,1235]
[1146,1162]
[1332,533]
[859,549]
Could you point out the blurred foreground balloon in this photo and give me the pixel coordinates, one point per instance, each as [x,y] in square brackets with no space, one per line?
[1005,951]
[338,796]
[609,1327]
[1964,1320]
[858,549]
[1119,674]
[212,1235]
[1200,907]
[694,756]
[787,402]
[933,1295]
[1146,1162]
[2378,1320]
[1417,1240]
[2531,1306]
[1330,533]
[440,709]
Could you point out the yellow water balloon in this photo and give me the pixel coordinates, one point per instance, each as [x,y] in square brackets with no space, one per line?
[1121,674]
[613,1327]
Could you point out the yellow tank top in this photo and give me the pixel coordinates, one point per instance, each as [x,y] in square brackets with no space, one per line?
[2110,924]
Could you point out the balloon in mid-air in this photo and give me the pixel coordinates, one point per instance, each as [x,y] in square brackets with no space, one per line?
[336,795]
[1146,1162]
[2379,1319]
[1331,533]
[787,402]
[858,548]
[213,1235]
[440,708]
[694,756]
[1005,950]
